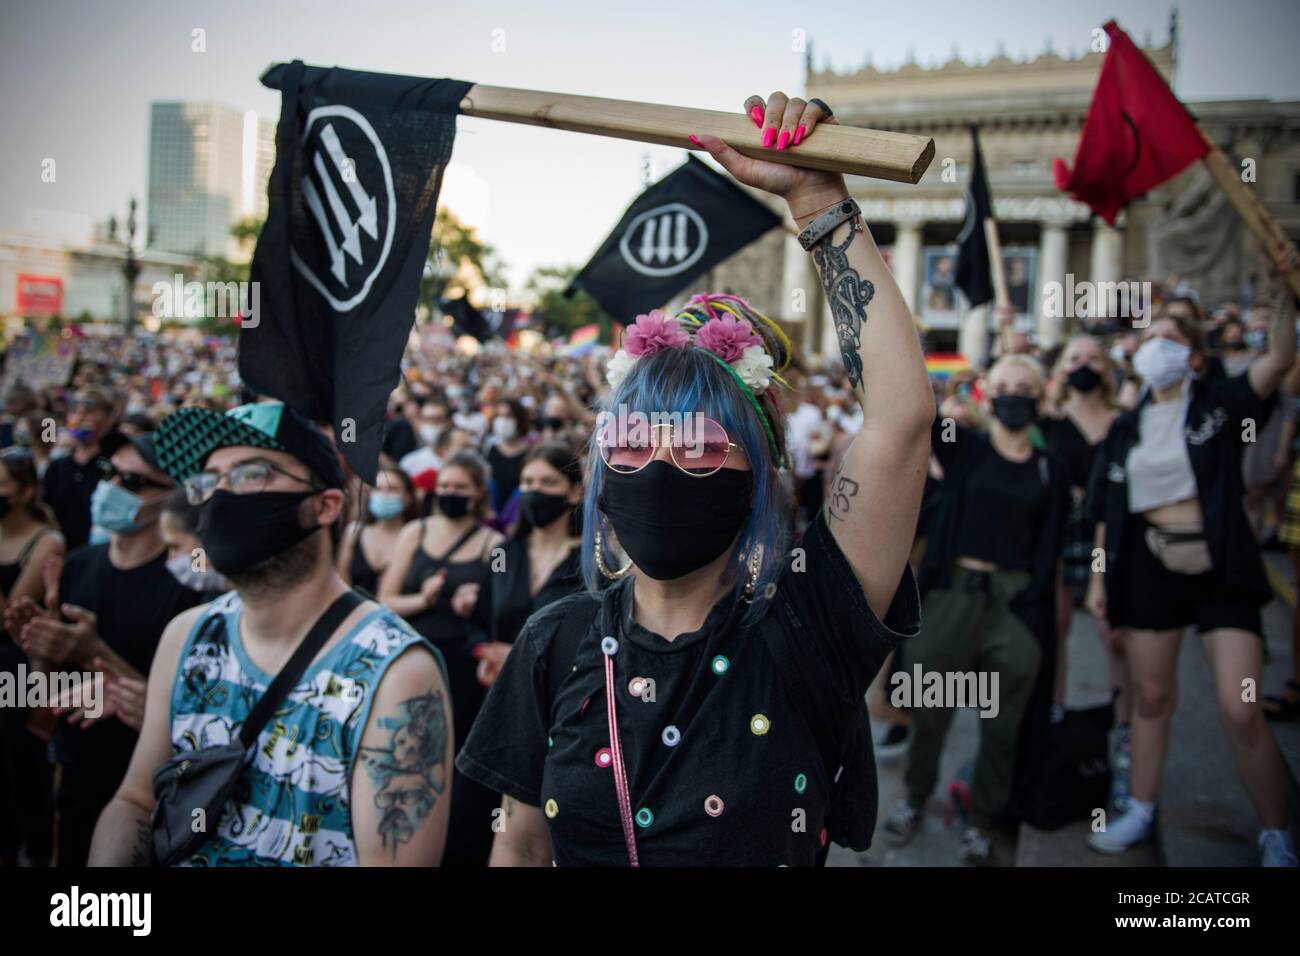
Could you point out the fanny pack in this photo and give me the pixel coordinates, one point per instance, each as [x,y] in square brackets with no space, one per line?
[1182,552]
[192,788]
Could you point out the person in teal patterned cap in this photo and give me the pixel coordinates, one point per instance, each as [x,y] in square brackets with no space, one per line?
[354,767]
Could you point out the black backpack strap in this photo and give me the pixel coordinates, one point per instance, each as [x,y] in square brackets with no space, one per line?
[320,632]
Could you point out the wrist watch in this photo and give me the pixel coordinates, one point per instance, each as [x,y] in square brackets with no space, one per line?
[825,224]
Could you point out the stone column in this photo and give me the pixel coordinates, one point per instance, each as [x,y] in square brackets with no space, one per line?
[1053,249]
[1107,254]
[1106,261]
[799,292]
[906,259]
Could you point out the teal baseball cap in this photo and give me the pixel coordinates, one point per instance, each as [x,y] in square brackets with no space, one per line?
[190,434]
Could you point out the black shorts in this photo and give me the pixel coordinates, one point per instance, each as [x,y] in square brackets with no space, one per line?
[1145,594]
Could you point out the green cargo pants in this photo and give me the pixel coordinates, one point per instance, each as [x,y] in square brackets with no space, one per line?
[969,626]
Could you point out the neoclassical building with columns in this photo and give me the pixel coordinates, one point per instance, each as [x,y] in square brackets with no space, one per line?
[1028,114]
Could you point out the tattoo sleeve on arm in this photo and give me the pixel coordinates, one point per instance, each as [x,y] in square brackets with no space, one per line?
[848,295]
[142,852]
[409,773]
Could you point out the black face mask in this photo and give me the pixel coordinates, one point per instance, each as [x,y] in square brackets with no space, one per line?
[1235,346]
[4,505]
[671,524]
[540,509]
[1015,411]
[1083,379]
[453,506]
[241,531]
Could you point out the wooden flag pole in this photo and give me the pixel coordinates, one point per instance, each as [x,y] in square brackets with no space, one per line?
[900,157]
[1252,212]
[996,269]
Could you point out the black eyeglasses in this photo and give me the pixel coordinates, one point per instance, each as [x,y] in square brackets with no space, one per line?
[130,480]
[246,478]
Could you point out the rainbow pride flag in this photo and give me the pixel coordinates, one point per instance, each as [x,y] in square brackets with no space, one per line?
[943,364]
[584,334]
[584,338]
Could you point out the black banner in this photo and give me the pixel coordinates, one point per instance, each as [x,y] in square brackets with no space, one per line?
[358,166]
[679,228]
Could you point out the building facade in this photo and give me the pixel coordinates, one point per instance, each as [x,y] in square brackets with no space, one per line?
[40,276]
[1028,114]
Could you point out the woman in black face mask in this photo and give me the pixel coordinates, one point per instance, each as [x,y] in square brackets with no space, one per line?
[439,569]
[540,560]
[707,707]
[1080,411]
[988,578]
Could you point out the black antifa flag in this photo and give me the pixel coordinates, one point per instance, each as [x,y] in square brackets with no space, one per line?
[680,227]
[973,244]
[358,164]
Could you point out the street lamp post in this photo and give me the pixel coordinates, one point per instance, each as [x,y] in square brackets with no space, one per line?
[130,268]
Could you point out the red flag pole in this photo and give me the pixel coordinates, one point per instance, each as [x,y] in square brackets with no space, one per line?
[1252,212]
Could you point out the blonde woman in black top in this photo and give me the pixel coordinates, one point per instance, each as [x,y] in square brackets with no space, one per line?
[1167,495]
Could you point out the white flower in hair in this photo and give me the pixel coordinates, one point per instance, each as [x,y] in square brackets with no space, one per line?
[754,368]
[620,364]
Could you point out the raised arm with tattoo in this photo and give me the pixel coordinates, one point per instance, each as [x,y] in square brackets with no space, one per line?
[875,495]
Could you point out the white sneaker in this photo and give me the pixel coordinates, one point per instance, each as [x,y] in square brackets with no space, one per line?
[902,823]
[976,848]
[1276,848]
[1132,827]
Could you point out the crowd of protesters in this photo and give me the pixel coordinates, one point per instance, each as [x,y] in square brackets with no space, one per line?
[1134,472]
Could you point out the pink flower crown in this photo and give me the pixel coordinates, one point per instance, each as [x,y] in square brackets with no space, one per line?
[722,325]
[744,341]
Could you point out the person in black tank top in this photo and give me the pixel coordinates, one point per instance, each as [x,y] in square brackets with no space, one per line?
[27,540]
[988,582]
[440,567]
[544,542]
[368,543]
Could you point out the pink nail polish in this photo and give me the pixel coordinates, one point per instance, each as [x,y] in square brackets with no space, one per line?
[696,140]
[769,137]
[783,140]
[798,135]
[757,115]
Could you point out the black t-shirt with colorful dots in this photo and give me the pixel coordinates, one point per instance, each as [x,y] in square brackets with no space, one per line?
[733,737]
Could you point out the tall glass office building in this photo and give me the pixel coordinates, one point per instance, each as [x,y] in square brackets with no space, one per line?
[208,168]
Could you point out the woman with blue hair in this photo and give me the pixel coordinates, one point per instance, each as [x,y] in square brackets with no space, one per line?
[706,707]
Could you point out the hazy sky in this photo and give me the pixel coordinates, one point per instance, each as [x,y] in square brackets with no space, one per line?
[77,78]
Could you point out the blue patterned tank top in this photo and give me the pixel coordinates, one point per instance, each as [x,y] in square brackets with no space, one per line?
[291,804]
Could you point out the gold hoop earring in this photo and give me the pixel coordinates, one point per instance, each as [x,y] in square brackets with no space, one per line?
[755,566]
[601,566]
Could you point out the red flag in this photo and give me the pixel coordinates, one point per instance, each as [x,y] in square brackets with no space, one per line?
[1136,135]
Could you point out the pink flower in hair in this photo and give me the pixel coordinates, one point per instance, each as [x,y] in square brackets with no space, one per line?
[654,332]
[727,338]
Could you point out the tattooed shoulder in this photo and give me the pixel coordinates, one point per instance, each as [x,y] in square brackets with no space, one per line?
[410,772]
